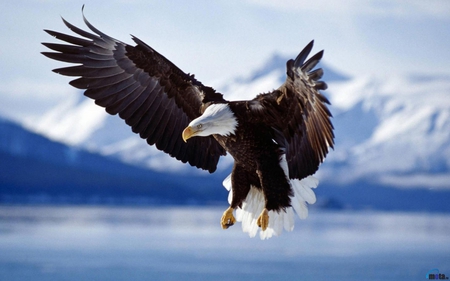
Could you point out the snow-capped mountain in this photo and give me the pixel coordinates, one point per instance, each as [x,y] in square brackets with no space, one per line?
[391,131]
[391,153]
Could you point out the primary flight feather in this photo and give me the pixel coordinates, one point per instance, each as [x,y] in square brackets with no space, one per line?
[277,140]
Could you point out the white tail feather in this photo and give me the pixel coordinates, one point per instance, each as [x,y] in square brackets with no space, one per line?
[254,204]
[227,182]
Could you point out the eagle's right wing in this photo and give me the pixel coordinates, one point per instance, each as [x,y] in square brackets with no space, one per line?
[150,93]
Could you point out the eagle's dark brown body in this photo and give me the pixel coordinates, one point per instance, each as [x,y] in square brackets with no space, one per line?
[256,162]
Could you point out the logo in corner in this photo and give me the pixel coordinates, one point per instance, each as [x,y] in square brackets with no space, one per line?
[434,274]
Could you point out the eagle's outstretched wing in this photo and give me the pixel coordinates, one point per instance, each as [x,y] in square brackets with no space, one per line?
[150,93]
[298,113]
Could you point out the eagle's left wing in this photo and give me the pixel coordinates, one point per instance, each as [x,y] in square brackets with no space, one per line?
[299,115]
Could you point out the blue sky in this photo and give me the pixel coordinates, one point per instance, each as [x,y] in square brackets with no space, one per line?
[219,39]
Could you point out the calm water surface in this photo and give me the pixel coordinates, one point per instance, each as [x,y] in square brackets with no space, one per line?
[127,243]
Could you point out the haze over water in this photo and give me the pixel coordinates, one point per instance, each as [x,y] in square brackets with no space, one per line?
[131,243]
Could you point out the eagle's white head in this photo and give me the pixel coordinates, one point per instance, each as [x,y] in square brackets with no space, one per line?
[217,119]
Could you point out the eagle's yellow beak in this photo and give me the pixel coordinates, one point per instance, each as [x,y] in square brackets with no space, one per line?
[187,133]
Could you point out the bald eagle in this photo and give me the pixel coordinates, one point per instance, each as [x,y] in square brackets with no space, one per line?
[277,140]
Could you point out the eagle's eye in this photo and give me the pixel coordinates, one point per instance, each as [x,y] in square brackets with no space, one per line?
[199,126]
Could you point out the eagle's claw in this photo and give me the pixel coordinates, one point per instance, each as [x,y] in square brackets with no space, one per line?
[227,218]
[263,219]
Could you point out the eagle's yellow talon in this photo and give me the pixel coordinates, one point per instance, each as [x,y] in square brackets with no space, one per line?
[263,219]
[227,218]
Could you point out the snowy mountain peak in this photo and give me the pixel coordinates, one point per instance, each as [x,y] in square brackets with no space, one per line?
[392,130]
[277,63]
[72,121]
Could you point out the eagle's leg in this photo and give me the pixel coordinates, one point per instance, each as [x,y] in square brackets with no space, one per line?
[240,188]
[263,219]
[228,218]
[276,189]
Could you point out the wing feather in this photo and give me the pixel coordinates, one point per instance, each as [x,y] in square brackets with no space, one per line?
[108,101]
[149,92]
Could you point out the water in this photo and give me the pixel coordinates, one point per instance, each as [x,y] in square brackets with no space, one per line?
[126,243]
